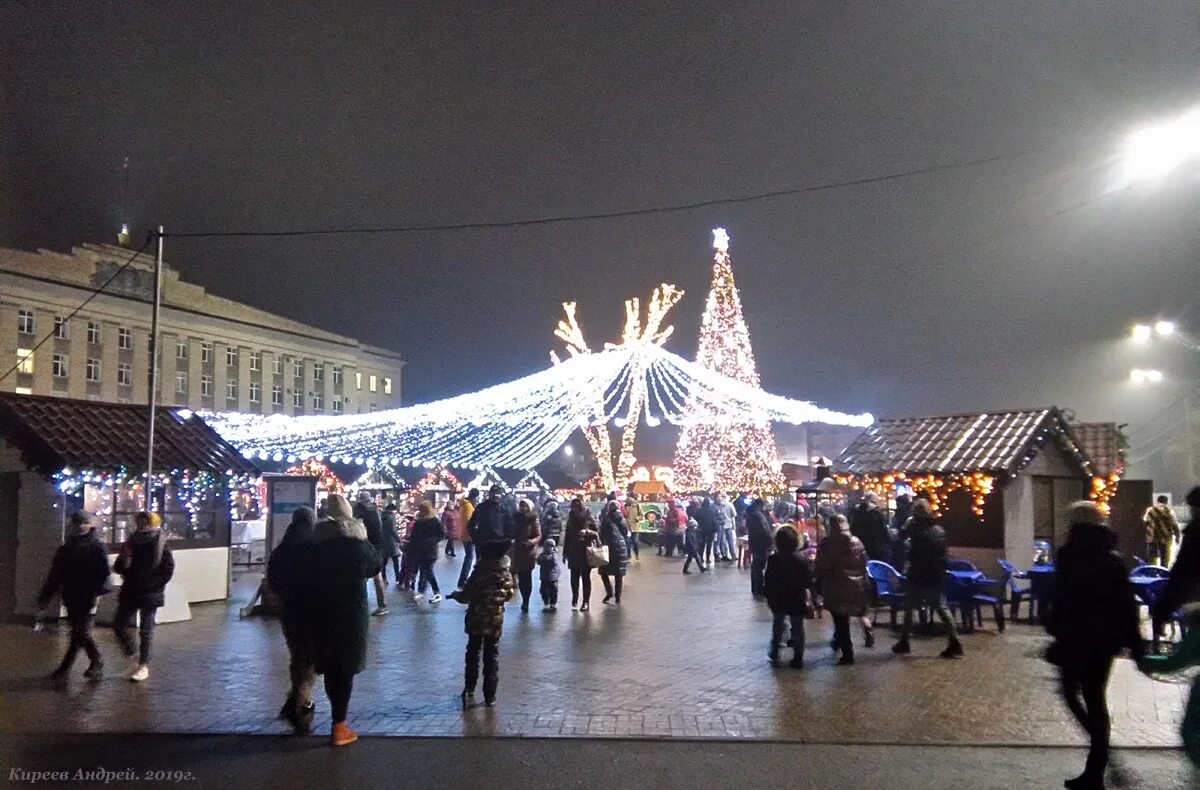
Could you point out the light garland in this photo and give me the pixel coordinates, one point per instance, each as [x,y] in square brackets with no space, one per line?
[725,448]
[195,488]
[935,488]
[327,479]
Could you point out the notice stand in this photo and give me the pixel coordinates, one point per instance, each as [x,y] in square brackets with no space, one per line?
[285,494]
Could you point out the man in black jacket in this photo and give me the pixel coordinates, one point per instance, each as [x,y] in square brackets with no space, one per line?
[366,512]
[1184,582]
[868,524]
[927,562]
[80,572]
[490,522]
[758,531]
[706,520]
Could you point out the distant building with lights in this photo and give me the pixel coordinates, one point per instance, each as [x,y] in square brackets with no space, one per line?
[215,353]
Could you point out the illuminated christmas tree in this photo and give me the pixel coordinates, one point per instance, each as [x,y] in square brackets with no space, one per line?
[722,450]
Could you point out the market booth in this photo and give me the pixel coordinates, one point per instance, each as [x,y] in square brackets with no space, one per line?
[999,480]
[63,455]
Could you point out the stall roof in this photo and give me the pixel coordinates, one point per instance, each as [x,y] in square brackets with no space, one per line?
[53,433]
[991,442]
[1103,442]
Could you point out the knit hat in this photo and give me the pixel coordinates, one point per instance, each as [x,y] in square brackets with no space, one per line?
[549,543]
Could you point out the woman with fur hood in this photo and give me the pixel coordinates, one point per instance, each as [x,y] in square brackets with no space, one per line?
[342,560]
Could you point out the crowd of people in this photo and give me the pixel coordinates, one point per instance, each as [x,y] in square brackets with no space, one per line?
[320,568]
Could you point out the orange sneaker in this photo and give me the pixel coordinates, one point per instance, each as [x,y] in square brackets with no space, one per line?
[342,735]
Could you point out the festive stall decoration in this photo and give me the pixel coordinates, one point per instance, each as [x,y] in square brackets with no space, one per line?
[327,479]
[196,489]
[721,448]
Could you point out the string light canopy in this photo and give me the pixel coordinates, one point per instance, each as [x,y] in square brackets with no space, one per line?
[521,423]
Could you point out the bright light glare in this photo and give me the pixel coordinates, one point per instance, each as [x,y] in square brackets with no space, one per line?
[1164,328]
[1140,376]
[568,450]
[1154,151]
[1141,332]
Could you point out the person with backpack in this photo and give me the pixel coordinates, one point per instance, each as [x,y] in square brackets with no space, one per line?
[79,573]
[146,565]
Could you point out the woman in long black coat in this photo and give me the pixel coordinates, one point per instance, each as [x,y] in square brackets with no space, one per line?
[614,533]
[341,561]
[427,533]
[580,532]
[286,573]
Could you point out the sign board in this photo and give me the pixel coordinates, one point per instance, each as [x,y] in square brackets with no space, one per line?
[286,493]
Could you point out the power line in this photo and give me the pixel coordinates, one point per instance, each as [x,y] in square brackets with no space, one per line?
[73,313]
[600,215]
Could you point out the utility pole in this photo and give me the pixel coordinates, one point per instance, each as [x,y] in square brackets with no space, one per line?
[153,399]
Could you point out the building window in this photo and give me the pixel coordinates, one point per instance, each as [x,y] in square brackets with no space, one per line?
[256,360]
[181,383]
[358,381]
[255,392]
[95,335]
[318,371]
[337,404]
[298,399]
[373,383]
[93,370]
[277,395]
[372,407]
[337,375]
[231,357]
[124,339]
[25,323]
[387,385]
[25,360]
[318,402]
[23,391]
[206,386]
[298,369]
[61,366]
[206,352]
[62,329]
[125,374]
[231,389]
[277,366]
[181,350]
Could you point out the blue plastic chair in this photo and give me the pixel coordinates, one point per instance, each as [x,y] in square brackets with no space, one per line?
[960,597]
[1151,571]
[983,597]
[961,565]
[1016,592]
[889,588]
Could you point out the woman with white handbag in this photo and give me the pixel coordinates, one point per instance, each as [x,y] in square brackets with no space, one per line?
[581,553]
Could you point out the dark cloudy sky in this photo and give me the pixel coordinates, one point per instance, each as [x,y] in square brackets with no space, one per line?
[1005,284]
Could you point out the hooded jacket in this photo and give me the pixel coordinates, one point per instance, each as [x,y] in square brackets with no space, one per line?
[758,528]
[842,572]
[867,523]
[489,522]
[423,541]
[1093,613]
[527,536]
[548,567]
[706,518]
[369,516]
[79,570]
[144,578]
[552,523]
[786,583]
[340,560]
[485,593]
[613,532]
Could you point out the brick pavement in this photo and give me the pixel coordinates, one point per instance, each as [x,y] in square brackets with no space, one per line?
[683,657]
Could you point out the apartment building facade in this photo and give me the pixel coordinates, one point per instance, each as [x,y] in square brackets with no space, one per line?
[214,353]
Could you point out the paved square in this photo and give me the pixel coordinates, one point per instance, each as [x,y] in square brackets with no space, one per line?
[684,656]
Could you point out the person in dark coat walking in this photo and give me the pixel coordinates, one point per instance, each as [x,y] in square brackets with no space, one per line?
[787,584]
[287,569]
[527,534]
[709,527]
[365,511]
[691,546]
[758,530]
[1092,617]
[842,574]
[387,547]
[1184,582]
[580,533]
[488,589]
[146,565]
[896,532]
[548,574]
[552,522]
[927,562]
[427,533]
[491,521]
[614,533]
[342,559]
[80,573]
[868,524]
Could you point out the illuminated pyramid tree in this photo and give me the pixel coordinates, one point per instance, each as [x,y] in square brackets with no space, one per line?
[720,450]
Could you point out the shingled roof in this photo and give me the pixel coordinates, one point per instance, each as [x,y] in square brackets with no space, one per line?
[53,433]
[992,442]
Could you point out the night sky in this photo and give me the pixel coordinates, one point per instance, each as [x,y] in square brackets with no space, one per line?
[1008,284]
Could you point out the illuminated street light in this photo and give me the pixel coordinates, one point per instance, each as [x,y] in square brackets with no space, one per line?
[1141,376]
[1154,151]
[1164,328]
[568,450]
[1141,332]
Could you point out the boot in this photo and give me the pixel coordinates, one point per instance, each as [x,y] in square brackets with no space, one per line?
[901,647]
[489,690]
[95,670]
[953,650]
[869,638]
[342,735]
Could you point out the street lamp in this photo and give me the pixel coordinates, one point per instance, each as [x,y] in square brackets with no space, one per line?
[1164,328]
[1141,332]
[568,450]
[1143,376]
[1154,151]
